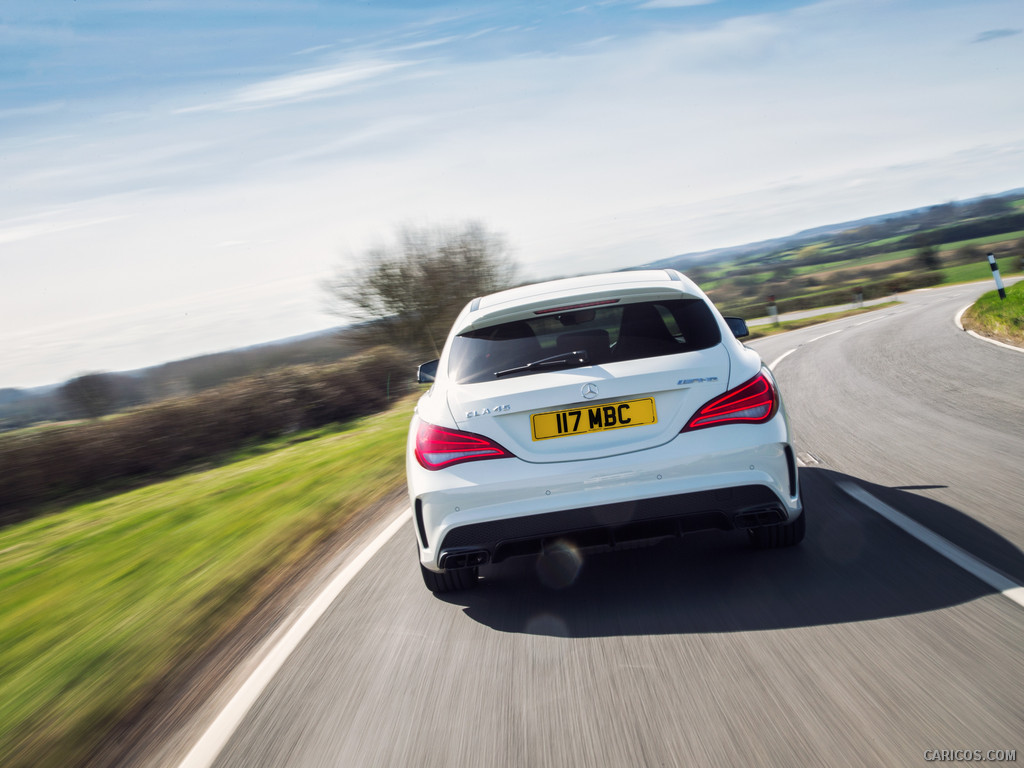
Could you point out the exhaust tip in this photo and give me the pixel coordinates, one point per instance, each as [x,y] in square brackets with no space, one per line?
[758,518]
[451,560]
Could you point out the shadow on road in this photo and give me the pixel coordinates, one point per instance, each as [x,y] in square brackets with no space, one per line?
[853,566]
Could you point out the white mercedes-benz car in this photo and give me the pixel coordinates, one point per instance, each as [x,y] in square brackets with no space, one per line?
[594,411]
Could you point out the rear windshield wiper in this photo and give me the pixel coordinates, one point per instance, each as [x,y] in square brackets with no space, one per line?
[566,359]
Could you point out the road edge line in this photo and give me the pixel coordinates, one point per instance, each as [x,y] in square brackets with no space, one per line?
[977,568]
[960,325]
[960,314]
[994,341]
[206,750]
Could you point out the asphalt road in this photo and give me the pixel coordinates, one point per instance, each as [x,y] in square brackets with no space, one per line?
[860,647]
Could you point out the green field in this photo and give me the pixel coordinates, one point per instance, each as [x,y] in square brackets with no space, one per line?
[98,602]
[999,318]
[980,241]
[966,273]
[905,254]
[852,263]
[743,294]
[880,258]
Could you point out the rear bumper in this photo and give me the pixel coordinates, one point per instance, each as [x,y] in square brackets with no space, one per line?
[493,541]
[696,481]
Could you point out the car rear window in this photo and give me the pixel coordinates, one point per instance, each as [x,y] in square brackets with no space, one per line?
[607,335]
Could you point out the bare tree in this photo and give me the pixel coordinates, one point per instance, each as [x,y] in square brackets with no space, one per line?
[409,294]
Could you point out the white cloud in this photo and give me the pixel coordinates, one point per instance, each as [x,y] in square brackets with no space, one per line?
[684,138]
[308,84]
[311,49]
[674,3]
[190,324]
[32,110]
[40,225]
[311,82]
[480,33]
[427,43]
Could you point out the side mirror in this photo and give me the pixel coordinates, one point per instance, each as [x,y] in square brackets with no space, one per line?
[738,326]
[427,372]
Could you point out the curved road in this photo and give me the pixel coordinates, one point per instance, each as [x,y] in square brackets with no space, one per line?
[861,647]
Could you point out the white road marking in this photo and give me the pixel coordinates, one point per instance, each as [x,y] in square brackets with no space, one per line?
[216,736]
[784,355]
[780,358]
[830,333]
[944,547]
[994,341]
[961,314]
[873,319]
[960,325]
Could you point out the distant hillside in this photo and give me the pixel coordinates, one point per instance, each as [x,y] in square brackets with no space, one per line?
[23,407]
[885,225]
[8,396]
[872,257]
[205,371]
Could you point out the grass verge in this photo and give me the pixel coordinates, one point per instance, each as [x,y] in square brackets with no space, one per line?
[759,331]
[100,601]
[1001,319]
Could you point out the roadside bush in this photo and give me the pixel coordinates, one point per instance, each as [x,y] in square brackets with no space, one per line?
[967,254]
[913,280]
[169,436]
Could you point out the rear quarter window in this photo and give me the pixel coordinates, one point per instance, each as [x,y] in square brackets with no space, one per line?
[606,334]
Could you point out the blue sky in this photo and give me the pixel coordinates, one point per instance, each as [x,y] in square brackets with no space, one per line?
[179,175]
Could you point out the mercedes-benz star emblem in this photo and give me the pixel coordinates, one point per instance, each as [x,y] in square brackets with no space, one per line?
[590,391]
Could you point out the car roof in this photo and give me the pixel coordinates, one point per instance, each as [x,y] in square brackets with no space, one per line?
[627,286]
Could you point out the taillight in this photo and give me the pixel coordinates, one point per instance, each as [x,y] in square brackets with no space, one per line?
[752,402]
[437,447]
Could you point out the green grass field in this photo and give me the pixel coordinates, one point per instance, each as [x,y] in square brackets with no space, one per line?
[1002,319]
[853,263]
[893,255]
[99,601]
[954,274]
[966,273]
[982,241]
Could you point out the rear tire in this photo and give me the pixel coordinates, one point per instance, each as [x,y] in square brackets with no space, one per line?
[449,581]
[780,535]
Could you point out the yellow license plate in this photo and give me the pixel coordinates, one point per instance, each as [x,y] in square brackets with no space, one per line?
[594,418]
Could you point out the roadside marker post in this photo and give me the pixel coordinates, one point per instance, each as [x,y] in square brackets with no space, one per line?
[995,274]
